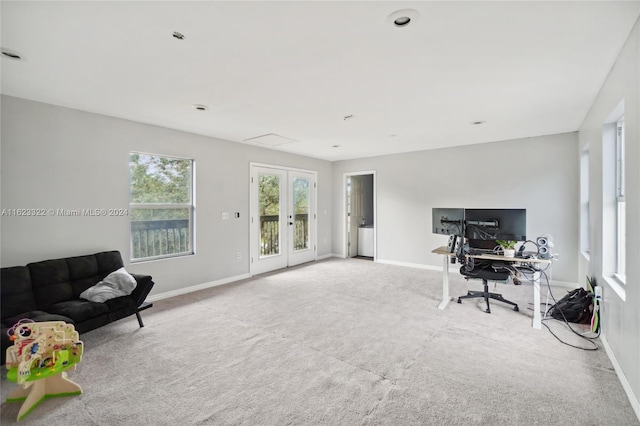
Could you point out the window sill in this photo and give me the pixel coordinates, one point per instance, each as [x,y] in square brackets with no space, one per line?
[586,256]
[164,257]
[617,286]
[621,279]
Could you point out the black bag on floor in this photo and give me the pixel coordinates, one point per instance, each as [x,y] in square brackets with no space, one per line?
[576,307]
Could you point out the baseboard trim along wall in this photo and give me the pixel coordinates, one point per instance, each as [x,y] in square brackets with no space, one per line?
[326,256]
[635,404]
[191,289]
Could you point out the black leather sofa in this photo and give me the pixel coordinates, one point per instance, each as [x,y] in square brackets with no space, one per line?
[50,291]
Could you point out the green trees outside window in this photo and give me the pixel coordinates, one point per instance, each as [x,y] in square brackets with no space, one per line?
[161,205]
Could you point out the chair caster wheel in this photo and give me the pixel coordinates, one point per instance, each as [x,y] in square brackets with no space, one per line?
[459,301]
[515,308]
[488,311]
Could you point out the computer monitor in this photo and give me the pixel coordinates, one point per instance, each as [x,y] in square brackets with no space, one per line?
[447,221]
[484,226]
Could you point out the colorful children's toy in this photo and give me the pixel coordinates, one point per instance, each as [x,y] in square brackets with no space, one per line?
[41,354]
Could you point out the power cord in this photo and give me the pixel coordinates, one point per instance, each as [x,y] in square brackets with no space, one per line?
[594,346]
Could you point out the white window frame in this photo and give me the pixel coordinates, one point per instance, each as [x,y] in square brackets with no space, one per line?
[585,231]
[151,206]
[620,269]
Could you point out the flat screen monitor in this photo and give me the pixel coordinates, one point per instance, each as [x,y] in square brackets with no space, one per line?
[484,226]
[447,221]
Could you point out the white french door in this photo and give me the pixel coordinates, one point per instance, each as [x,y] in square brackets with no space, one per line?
[283,218]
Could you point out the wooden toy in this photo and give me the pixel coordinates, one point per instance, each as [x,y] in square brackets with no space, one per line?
[41,354]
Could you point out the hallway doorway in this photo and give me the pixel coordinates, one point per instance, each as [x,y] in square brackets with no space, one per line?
[360,215]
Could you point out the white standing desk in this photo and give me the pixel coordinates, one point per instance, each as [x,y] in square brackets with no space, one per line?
[537,317]
[444,251]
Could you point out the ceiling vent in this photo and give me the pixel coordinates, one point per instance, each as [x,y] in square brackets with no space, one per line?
[271,139]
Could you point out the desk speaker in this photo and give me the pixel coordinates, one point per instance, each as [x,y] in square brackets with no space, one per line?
[544,246]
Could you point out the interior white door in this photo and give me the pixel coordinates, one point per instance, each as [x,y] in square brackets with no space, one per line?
[283,218]
[355,213]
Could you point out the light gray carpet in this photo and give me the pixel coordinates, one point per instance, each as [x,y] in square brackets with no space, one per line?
[336,342]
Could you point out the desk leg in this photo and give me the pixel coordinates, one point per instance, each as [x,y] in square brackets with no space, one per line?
[537,319]
[445,283]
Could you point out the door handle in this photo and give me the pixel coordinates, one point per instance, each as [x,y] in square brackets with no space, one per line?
[290,223]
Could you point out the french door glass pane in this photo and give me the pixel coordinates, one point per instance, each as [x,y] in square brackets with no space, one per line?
[269,198]
[301,211]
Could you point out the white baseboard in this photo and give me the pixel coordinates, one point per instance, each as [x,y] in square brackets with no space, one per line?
[191,289]
[326,256]
[635,404]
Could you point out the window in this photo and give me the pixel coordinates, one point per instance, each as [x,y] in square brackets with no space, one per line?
[620,203]
[161,205]
[584,204]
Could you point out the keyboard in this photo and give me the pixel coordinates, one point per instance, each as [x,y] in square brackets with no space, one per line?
[478,252]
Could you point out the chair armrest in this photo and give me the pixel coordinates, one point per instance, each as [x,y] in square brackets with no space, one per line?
[144,286]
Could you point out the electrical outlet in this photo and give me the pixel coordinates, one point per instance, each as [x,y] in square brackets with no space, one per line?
[225,215]
[238,255]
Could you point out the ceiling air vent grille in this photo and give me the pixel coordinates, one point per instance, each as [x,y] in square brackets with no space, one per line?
[271,139]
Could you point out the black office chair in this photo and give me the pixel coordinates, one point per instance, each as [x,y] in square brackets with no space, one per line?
[486,271]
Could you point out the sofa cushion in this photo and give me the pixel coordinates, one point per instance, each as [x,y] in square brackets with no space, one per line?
[78,310]
[108,261]
[87,271]
[62,280]
[51,282]
[83,272]
[16,292]
[120,303]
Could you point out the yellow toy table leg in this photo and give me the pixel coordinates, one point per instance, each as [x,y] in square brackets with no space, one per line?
[33,393]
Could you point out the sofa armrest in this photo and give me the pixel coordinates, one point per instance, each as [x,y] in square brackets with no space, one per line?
[144,286]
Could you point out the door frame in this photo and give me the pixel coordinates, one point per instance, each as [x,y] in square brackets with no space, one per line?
[345,213]
[313,214]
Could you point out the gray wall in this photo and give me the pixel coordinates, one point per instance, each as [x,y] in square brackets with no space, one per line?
[620,317]
[539,174]
[54,157]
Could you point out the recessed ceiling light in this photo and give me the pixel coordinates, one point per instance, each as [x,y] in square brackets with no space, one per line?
[178,35]
[200,107]
[402,21]
[10,54]
[402,18]
[475,123]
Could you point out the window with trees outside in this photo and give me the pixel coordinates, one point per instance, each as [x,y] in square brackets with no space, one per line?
[161,206]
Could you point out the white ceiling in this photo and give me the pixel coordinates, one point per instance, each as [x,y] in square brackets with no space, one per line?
[296,69]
